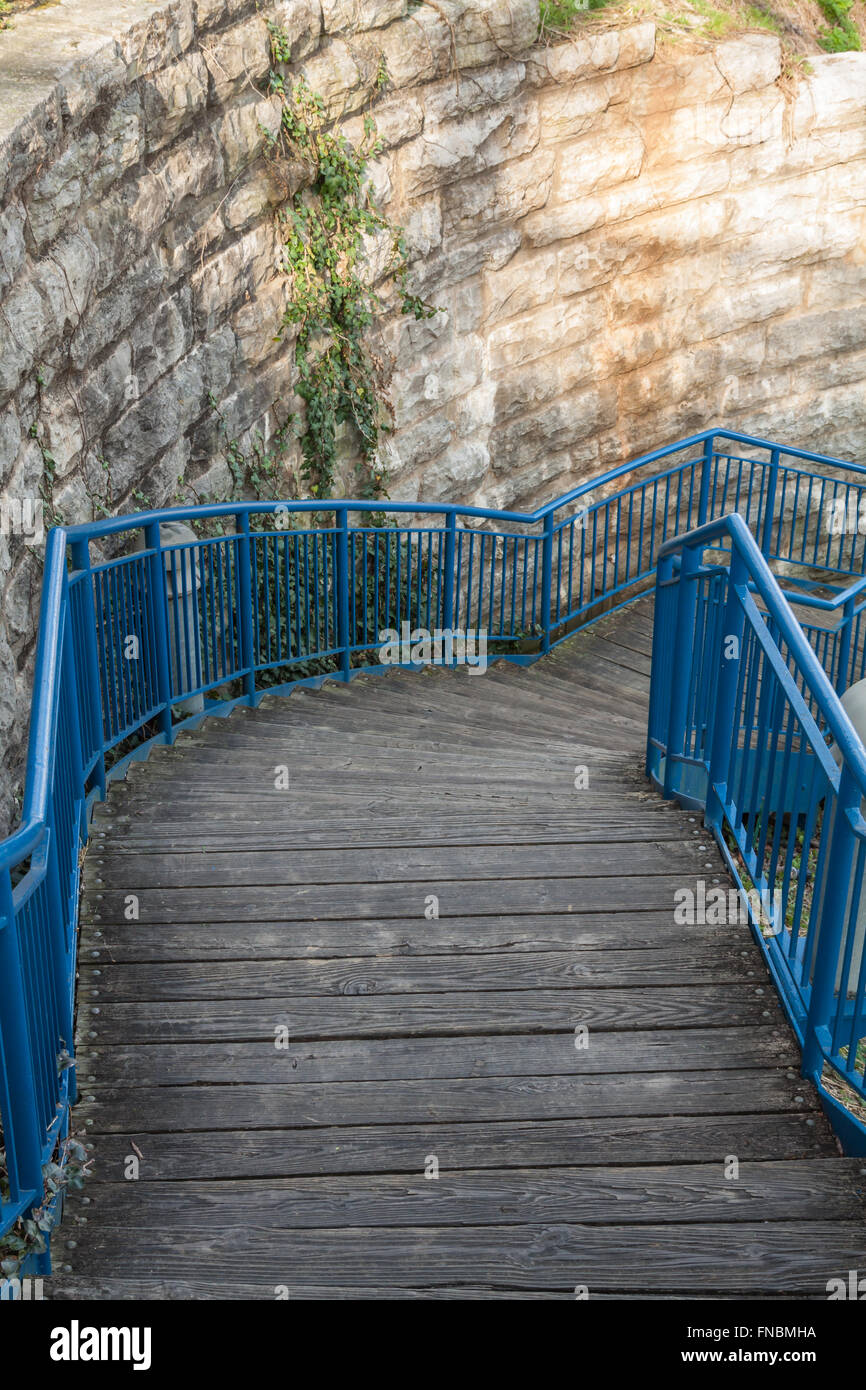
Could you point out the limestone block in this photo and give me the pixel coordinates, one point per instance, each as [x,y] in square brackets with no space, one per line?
[57,192]
[422,229]
[423,441]
[472,91]
[588,165]
[460,258]
[124,225]
[396,122]
[527,281]
[108,388]
[253,198]
[61,426]
[236,58]
[557,426]
[673,80]
[457,149]
[431,383]
[26,329]
[416,48]
[475,412]
[161,36]
[26,472]
[172,97]
[238,130]
[223,281]
[523,389]
[816,335]
[334,74]
[301,24]
[461,466]
[657,289]
[159,339]
[12,248]
[695,132]
[113,311]
[10,439]
[578,58]
[568,111]
[834,282]
[528,488]
[211,12]
[832,97]
[95,82]
[354,16]
[560,221]
[21,593]
[530,336]
[507,194]
[159,417]
[749,63]
[121,144]
[257,322]
[191,168]
[31,124]
[486,30]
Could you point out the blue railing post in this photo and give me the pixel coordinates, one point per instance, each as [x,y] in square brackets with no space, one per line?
[448,587]
[245,603]
[343,635]
[547,581]
[817,1037]
[660,663]
[681,666]
[770,503]
[706,473]
[80,554]
[845,631]
[159,619]
[62,950]
[22,1130]
[733,628]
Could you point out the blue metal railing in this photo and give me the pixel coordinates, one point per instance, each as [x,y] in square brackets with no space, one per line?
[272,595]
[746,724]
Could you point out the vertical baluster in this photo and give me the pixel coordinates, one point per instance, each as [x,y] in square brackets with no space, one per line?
[159,623]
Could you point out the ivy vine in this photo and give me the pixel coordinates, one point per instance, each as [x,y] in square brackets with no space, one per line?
[323,229]
[29,1235]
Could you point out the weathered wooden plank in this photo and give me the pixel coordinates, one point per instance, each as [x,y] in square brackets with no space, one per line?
[224,833]
[419,1015]
[130,1110]
[806,1190]
[280,980]
[613,931]
[613,649]
[397,1059]
[578,685]
[198,869]
[400,1148]
[481,897]
[66,1287]
[746,1257]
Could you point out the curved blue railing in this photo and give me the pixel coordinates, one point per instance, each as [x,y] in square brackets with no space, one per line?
[144,630]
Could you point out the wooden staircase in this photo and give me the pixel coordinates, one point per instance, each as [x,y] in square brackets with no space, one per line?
[432,914]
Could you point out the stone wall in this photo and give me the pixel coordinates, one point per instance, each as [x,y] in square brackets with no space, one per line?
[625,244]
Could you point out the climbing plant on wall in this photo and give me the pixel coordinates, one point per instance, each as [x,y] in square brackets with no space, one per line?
[326,227]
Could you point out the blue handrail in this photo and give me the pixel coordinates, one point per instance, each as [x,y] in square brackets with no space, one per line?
[134,644]
[752,748]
